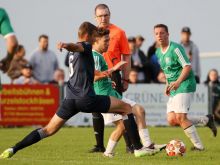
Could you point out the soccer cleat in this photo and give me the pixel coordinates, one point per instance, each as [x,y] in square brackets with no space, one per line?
[130,149]
[110,155]
[211,124]
[144,151]
[7,153]
[197,149]
[97,149]
[160,147]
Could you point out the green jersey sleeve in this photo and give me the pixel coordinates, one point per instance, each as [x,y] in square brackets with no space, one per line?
[5,25]
[181,56]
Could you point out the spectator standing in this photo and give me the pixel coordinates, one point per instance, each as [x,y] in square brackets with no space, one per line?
[151,56]
[17,63]
[212,77]
[44,61]
[139,42]
[26,77]
[192,51]
[139,62]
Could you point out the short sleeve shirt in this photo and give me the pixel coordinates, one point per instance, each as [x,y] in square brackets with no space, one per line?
[103,86]
[118,45]
[172,62]
[5,25]
[81,69]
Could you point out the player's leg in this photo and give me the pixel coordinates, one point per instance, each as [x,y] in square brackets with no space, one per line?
[114,138]
[98,126]
[139,114]
[35,136]
[182,104]
[66,111]
[120,107]
[207,120]
[190,130]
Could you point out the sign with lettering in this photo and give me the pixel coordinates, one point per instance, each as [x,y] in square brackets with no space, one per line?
[152,98]
[28,104]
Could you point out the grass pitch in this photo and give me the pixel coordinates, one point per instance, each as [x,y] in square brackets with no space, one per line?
[70,147]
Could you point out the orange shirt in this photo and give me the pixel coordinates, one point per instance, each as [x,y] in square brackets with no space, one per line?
[118,45]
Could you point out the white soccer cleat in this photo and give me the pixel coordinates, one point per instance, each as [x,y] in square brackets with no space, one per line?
[7,153]
[110,155]
[144,151]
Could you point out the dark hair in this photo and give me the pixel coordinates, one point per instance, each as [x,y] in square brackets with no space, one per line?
[208,79]
[19,48]
[162,26]
[87,28]
[102,6]
[43,36]
[102,32]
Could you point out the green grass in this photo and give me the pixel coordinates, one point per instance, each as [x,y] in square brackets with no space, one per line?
[70,146]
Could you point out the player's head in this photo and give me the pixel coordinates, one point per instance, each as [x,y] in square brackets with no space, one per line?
[43,42]
[185,34]
[101,42]
[161,34]
[102,15]
[87,31]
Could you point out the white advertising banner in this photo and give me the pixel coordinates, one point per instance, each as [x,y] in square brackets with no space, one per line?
[152,98]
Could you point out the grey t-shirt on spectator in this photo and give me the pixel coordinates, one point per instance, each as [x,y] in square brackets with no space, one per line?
[44,64]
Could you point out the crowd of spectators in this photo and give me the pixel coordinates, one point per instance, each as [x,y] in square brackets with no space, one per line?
[43,67]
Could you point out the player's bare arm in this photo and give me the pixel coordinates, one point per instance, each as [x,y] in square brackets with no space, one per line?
[70,47]
[184,74]
[101,75]
[125,70]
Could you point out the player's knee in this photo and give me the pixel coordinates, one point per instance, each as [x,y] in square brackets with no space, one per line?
[127,109]
[172,121]
[140,110]
[181,119]
[49,131]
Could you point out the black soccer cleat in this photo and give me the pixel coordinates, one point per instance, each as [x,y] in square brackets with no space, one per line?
[129,149]
[211,124]
[97,149]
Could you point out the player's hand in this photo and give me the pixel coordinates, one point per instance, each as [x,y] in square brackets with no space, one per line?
[173,86]
[113,84]
[166,91]
[61,45]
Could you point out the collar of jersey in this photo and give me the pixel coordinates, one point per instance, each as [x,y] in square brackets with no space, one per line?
[166,49]
[96,51]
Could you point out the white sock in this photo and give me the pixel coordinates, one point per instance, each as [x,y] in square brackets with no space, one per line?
[192,134]
[111,146]
[145,137]
[203,120]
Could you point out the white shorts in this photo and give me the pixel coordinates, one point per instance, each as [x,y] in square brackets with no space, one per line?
[180,103]
[110,118]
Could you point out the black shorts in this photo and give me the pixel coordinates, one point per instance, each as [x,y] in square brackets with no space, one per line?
[71,107]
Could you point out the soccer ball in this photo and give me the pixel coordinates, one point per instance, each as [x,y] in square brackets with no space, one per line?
[175,148]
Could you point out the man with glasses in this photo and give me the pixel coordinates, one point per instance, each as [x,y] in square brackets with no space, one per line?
[118,50]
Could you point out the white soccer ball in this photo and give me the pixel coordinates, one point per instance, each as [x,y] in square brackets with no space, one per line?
[175,148]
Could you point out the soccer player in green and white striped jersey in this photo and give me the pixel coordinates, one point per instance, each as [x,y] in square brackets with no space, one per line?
[180,84]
